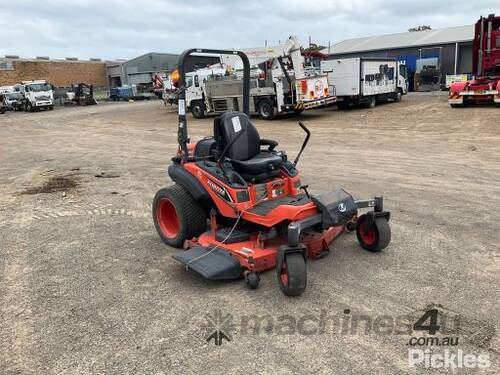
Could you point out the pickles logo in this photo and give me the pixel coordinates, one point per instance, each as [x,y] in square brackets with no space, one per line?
[342,207]
[221,191]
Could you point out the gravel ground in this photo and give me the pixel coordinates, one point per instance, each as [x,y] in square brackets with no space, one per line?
[86,285]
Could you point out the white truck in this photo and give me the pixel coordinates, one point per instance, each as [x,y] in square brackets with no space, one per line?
[36,95]
[278,85]
[366,81]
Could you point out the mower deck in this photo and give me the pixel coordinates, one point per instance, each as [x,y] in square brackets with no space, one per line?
[255,254]
[212,264]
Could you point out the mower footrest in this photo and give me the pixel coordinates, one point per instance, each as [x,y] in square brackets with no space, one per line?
[211,264]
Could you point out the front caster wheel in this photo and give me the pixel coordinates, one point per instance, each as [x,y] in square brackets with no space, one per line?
[292,274]
[351,226]
[373,238]
[252,279]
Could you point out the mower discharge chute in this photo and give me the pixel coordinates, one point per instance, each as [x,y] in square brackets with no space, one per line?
[238,208]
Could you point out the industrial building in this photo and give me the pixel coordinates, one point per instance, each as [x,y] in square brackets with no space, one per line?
[139,70]
[71,70]
[61,73]
[448,48]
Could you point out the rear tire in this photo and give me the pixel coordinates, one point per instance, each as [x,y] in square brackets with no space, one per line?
[372,102]
[343,104]
[292,274]
[198,109]
[265,108]
[29,107]
[177,216]
[377,237]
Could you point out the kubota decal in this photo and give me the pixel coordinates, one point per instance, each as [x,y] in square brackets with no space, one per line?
[220,190]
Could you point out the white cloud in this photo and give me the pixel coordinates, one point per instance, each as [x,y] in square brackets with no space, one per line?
[125,28]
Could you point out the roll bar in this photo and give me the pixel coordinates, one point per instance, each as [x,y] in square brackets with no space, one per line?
[182,130]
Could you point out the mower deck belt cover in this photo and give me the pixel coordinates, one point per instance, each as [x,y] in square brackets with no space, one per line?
[336,207]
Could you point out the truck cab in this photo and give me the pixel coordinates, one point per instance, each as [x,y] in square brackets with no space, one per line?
[403,77]
[195,83]
[37,95]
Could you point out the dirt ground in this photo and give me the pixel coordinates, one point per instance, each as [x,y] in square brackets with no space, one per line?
[86,285]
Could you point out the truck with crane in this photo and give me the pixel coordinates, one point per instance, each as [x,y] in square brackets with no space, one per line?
[485,86]
[279,84]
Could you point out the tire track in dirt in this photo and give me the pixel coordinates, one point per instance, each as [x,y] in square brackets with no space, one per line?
[16,333]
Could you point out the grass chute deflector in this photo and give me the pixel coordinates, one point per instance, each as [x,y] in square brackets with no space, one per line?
[238,208]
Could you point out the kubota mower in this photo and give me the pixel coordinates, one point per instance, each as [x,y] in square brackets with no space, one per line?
[238,206]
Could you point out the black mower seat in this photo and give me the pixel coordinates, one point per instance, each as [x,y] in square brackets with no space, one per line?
[247,158]
[262,166]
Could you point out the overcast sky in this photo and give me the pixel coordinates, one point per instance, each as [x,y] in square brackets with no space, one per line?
[112,29]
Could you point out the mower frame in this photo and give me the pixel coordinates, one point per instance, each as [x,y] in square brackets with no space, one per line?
[292,223]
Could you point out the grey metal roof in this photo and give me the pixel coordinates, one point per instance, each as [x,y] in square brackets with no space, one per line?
[163,54]
[401,40]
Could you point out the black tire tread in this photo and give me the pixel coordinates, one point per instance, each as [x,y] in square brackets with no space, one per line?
[297,275]
[191,214]
[372,102]
[202,107]
[261,103]
[383,234]
[384,231]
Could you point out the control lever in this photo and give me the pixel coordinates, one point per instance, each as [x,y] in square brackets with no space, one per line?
[303,144]
[304,187]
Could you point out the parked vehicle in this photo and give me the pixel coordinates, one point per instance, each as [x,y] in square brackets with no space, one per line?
[366,81]
[36,95]
[170,92]
[129,92]
[279,85]
[12,99]
[82,94]
[120,93]
[485,86]
[2,104]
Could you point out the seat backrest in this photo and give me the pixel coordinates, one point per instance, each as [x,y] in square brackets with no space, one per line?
[229,125]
